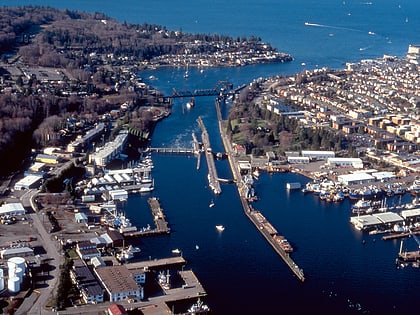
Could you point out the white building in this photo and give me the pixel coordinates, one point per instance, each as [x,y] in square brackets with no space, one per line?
[384,176]
[345,162]
[297,160]
[110,151]
[118,194]
[358,178]
[28,182]
[12,209]
[318,155]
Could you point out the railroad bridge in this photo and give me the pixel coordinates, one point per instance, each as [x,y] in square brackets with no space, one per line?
[222,88]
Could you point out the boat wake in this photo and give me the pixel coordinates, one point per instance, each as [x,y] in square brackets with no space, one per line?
[333,27]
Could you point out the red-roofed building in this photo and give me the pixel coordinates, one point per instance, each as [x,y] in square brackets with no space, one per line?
[116,309]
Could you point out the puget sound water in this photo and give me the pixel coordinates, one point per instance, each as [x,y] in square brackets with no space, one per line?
[347,272]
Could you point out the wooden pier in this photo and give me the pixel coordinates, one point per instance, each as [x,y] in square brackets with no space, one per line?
[157,264]
[212,176]
[161,225]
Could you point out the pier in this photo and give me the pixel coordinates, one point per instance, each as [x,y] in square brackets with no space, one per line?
[260,222]
[161,225]
[157,264]
[212,176]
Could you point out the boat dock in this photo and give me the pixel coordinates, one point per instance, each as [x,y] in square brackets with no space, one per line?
[161,225]
[157,264]
[212,176]
[260,222]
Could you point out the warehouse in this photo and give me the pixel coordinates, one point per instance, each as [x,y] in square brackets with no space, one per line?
[357,178]
[12,209]
[318,155]
[345,162]
[28,182]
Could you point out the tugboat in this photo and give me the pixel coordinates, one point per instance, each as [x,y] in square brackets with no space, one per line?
[198,308]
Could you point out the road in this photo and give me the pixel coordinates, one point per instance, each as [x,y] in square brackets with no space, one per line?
[53,252]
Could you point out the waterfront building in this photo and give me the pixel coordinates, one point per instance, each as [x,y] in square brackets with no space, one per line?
[374,221]
[384,176]
[119,283]
[411,215]
[355,178]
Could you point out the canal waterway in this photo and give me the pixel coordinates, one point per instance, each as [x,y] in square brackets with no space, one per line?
[347,271]
[241,272]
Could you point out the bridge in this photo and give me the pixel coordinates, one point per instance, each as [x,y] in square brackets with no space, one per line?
[222,88]
[173,150]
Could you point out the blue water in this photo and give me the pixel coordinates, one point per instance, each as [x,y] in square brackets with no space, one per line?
[238,269]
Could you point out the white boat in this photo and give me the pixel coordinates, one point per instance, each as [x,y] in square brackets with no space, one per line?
[211,205]
[197,247]
[220,228]
[128,253]
[176,251]
[163,280]
[198,308]
[133,249]
[191,103]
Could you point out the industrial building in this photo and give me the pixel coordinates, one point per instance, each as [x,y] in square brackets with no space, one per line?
[297,160]
[318,155]
[345,162]
[119,283]
[28,182]
[355,178]
[378,220]
[15,208]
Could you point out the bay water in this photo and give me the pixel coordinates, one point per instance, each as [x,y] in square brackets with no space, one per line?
[347,272]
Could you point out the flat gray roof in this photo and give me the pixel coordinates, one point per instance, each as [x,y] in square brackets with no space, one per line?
[365,220]
[388,217]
